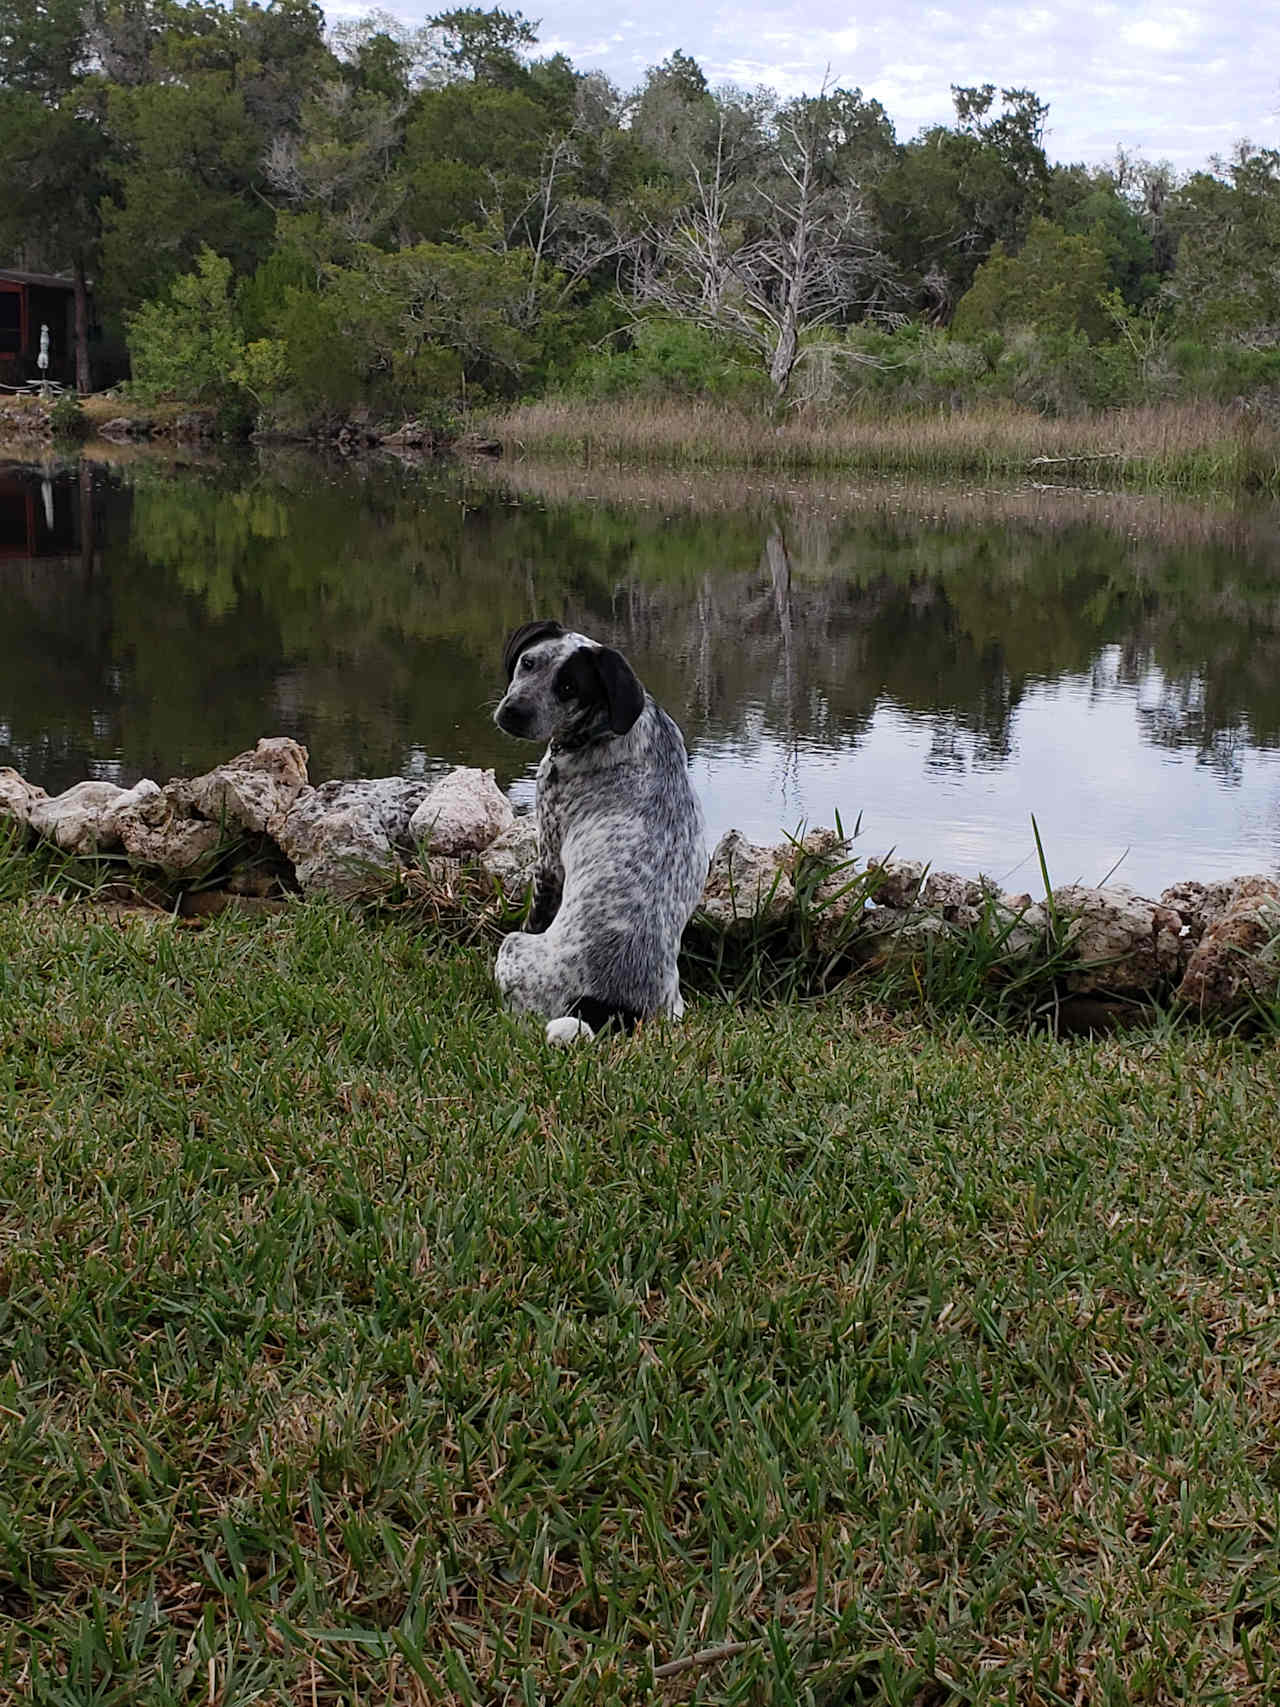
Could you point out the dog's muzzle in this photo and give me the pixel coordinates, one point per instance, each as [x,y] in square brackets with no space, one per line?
[512,721]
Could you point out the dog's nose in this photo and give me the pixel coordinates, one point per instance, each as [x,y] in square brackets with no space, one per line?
[511,720]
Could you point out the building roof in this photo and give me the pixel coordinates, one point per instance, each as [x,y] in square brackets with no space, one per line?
[46,281]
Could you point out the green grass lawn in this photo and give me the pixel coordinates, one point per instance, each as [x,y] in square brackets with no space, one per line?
[357,1348]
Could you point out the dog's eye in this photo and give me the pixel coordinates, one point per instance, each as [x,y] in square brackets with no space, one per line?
[564,689]
[526,663]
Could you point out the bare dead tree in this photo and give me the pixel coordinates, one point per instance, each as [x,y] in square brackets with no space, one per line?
[771,258]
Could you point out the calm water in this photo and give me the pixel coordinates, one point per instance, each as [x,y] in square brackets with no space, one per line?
[944,663]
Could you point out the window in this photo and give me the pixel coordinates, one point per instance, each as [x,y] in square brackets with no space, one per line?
[10,320]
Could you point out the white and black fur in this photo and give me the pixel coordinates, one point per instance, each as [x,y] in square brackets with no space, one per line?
[621,846]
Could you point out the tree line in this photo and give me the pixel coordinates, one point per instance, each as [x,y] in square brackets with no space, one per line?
[296,223]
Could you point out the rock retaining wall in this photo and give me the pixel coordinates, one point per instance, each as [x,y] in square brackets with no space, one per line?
[256,822]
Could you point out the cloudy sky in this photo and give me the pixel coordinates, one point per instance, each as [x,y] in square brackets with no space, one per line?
[1176,82]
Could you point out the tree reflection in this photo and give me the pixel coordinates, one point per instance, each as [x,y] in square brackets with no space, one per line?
[187,612]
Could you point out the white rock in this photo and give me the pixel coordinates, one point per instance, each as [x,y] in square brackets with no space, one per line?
[1238,956]
[462,815]
[1120,941]
[961,900]
[342,836]
[512,860]
[1022,924]
[250,790]
[1201,905]
[746,882]
[890,934]
[17,796]
[78,820]
[895,882]
[155,830]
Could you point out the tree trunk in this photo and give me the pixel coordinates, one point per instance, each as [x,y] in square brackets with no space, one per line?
[84,377]
[784,352]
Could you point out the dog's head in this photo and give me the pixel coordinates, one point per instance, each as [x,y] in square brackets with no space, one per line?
[566,688]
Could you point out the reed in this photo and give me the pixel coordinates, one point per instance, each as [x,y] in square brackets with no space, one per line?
[1178,446]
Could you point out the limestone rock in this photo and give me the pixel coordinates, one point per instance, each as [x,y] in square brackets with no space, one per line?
[1120,941]
[826,845]
[342,836]
[1022,924]
[512,859]
[746,882]
[252,789]
[960,900]
[1201,905]
[462,814]
[126,427]
[1238,955]
[17,796]
[390,801]
[895,882]
[156,831]
[78,819]
[891,934]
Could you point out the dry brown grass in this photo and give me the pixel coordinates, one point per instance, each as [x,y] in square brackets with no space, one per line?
[1171,444]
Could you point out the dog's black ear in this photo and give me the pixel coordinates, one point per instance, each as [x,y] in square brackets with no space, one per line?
[622,691]
[528,634]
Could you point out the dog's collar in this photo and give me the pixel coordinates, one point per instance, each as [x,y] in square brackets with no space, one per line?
[561,745]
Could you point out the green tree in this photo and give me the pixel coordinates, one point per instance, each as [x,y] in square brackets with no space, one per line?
[1227,277]
[402,330]
[340,167]
[186,343]
[1086,202]
[953,193]
[472,155]
[189,179]
[43,47]
[485,46]
[674,116]
[1055,283]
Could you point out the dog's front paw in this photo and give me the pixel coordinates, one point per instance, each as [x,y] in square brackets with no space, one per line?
[564,1033]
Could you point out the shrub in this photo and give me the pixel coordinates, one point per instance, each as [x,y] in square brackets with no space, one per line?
[68,419]
[667,358]
[187,343]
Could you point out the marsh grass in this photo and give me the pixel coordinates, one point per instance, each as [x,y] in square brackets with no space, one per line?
[1181,447]
[356,1347]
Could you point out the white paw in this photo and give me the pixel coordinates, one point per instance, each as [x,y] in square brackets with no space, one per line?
[564,1033]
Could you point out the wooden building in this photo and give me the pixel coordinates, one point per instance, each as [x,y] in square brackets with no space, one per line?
[27,302]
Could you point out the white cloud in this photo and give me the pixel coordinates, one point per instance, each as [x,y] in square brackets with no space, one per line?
[1170,30]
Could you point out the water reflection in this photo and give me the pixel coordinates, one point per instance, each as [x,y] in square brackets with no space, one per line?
[944,664]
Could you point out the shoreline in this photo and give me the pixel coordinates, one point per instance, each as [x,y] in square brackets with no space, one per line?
[1192,449]
[801,918]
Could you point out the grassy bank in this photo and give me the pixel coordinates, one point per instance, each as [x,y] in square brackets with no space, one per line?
[1184,447]
[358,1348]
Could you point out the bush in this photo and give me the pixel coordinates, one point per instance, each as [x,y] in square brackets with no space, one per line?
[186,344]
[668,358]
[1223,371]
[68,419]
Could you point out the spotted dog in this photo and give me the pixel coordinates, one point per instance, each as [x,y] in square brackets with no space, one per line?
[621,846]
